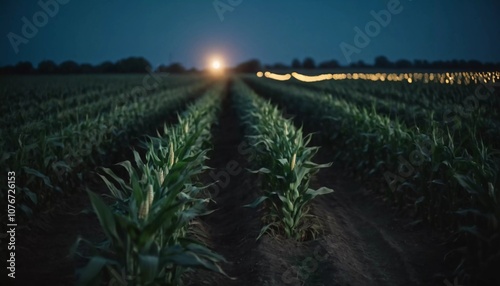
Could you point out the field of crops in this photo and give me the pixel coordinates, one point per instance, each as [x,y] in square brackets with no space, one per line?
[355,179]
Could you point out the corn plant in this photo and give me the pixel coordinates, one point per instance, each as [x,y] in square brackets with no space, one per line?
[285,164]
[147,226]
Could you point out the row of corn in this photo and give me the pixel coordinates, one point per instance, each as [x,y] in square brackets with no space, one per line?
[37,98]
[450,180]
[148,218]
[468,108]
[425,95]
[284,162]
[50,157]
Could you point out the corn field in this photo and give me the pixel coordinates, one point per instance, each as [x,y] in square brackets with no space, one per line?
[445,171]
[131,175]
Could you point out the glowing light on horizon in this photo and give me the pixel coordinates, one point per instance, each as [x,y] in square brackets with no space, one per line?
[307,78]
[216,65]
[443,78]
[281,77]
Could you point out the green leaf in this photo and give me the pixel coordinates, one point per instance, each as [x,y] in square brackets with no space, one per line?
[283,161]
[148,265]
[91,274]
[264,230]
[320,191]
[257,202]
[118,194]
[261,170]
[32,196]
[311,165]
[46,180]
[105,216]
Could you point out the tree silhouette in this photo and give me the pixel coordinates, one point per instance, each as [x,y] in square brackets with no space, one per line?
[47,67]
[250,66]
[359,64]
[401,64]
[105,67]
[132,65]
[329,64]
[296,64]
[24,68]
[87,68]
[69,67]
[382,62]
[173,68]
[309,63]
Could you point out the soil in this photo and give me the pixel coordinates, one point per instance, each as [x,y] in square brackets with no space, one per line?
[364,240]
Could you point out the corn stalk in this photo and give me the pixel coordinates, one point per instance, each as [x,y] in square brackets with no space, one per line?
[285,162]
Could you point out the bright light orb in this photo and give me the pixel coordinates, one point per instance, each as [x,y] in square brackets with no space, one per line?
[216,65]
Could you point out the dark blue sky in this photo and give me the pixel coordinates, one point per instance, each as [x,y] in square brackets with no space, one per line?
[272,31]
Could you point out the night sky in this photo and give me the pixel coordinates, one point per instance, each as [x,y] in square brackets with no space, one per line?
[190,32]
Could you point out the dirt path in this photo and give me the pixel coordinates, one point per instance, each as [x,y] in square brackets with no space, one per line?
[232,229]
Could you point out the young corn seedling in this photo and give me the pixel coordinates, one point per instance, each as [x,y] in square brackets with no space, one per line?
[285,165]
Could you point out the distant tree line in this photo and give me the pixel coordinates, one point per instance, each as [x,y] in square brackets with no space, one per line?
[175,68]
[141,65]
[128,65]
[382,62]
